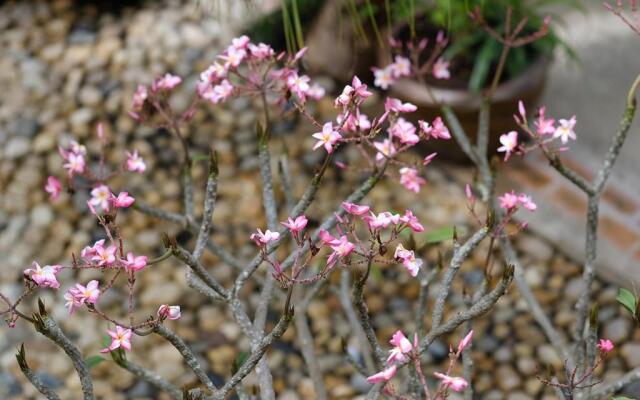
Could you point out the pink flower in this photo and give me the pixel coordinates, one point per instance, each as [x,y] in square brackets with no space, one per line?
[120,338]
[233,56]
[544,126]
[134,263]
[382,220]
[240,42]
[53,187]
[355,209]
[438,130]
[465,342]
[316,92]
[123,200]
[75,163]
[341,248]
[405,131]
[565,130]
[383,376]
[396,105]
[167,82]
[354,122]
[401,67]
[44,276]
[401,346]
[326,237]
[359,88]
[219,92]
[135,163]
[260,51]
[412,221]
[469,193]
[167,311]
[84,294]
[441,69]
[508,201]
[104,255]
[409,260]
[100,196]
[605,345]
[410,179]
[213,73]
[345,97]
[457,384]
[296,225]
[262,239]
[327,138]
[383,77]
[526,202]
[298,85]
[139,97]
[89,251]
[509,143]
[385,149]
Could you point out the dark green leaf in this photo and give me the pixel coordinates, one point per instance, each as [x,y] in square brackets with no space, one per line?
[93,361]
[482,64]
[627,299]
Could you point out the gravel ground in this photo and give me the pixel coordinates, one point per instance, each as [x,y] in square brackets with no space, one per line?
[63,68]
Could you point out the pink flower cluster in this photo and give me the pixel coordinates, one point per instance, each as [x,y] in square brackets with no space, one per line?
[43,276]
[74,157]
[102,197]
[79,295]
[510,201]
[398,354]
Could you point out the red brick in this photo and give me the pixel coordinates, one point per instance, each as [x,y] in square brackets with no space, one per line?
[571,201]
[617,233]
[619,200]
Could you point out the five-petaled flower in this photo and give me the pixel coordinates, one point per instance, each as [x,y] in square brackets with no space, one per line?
[564,131]
[509,143]
[262,239]
[605,345]
[296,225]
[410,179]
[120,338]
[122,200]
[456,383]
[327,138]
[409,260]
[441,69]
[79,295]
[44,276]
[355,209]
[100,196]
[341,248]
[135,163]
[401,346]
[104,255]
[134,263]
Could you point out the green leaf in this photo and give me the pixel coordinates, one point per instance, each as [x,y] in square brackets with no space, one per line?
[239,360]
[627,299]
[439,235]
[482,64]
[93,361]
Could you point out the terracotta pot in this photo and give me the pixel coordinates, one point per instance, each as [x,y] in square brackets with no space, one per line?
[527,87]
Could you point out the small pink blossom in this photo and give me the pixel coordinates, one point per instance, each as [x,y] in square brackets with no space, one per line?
[139,97]
[135,163]
[296,225]
[261,239]
[341,248]
[526,202]
[396,105]
[385,149]
[170,312]
[345,97]
[509,143]
[469,193]
[383,77]
[79,295]
[354,123]
[465,342]
[260,51]
[355,209]
[437,130]
[134,263]
[405,131]
[326,237]
[240,42]
[605,345]
[105,255]
[327,138]
[383,376]
[298,85]
[218,93]
[233,56]
[410,179]
[123,200]
[441,69]
[100,196]
[359,89]
[544,126]
[44,276]
[53,187]
[167,82]
[315,92]
[564,131]
[213,73]
[455,383]
[409,260]
[401,346]
[381,220]
[412,221]
[75,163]
[508,201]
[401,67]
[120,338]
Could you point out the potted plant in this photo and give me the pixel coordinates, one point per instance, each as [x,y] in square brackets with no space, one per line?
[471,56]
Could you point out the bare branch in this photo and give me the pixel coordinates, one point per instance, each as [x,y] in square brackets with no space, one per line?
[197,268]
[209,205]
[46,391]
[363,314]
[607,389]
[151,377]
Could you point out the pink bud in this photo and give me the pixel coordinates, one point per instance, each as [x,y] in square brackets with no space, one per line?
[465,342]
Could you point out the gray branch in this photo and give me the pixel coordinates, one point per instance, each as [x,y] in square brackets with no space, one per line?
[46,391]
[363,315]
[198,269]
[209,205]
[187,354]
[607,389]
[151,377]
[49,328]
[187,191]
